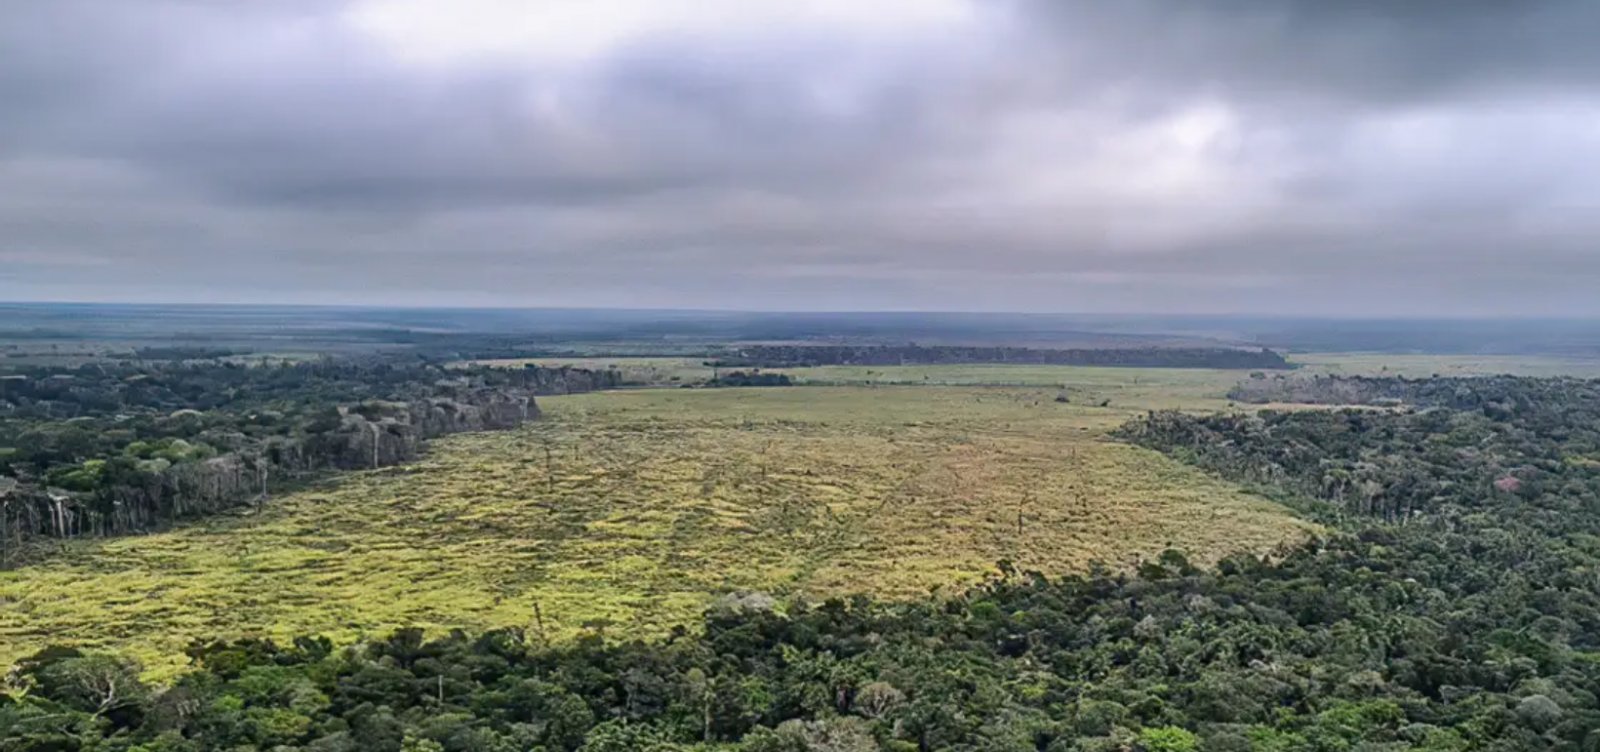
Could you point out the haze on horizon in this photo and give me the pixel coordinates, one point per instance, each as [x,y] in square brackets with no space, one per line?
[1292,156]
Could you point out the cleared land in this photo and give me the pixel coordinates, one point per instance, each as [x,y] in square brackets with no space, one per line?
[1152,386]
[628,511]
[1423,366]
[691,370]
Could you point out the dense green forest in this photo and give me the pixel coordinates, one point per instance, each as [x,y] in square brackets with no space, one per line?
[107,448]
[1454,605]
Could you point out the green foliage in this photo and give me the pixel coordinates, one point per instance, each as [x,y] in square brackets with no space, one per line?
[84,477]
[1167,739]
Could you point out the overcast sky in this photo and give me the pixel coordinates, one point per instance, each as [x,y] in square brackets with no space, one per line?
[1252,156]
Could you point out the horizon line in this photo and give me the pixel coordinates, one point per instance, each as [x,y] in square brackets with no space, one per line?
[813,312]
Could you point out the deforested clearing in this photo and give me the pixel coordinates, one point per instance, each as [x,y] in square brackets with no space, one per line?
[627,512]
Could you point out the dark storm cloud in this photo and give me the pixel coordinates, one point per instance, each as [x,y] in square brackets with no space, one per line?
[1355,157]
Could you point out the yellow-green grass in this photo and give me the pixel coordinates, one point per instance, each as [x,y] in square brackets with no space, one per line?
[690,370]
[1170,383]
[1146,387]
[629,511]
[1419,366]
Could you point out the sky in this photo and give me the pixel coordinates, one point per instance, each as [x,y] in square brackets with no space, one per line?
[1293,157]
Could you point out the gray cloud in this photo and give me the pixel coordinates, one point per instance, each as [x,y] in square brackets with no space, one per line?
[1363,51]
[1254,156]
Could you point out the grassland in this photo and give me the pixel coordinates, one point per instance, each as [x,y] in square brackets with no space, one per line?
[1168,386]
[628,511]
[655,370]
[1422,366]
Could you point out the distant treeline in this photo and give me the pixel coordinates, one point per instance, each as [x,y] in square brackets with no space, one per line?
[796,356]
[1451,605]
[750,378]
[182,352]
[112,448]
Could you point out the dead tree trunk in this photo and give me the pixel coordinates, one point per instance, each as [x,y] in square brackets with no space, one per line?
[374,445]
